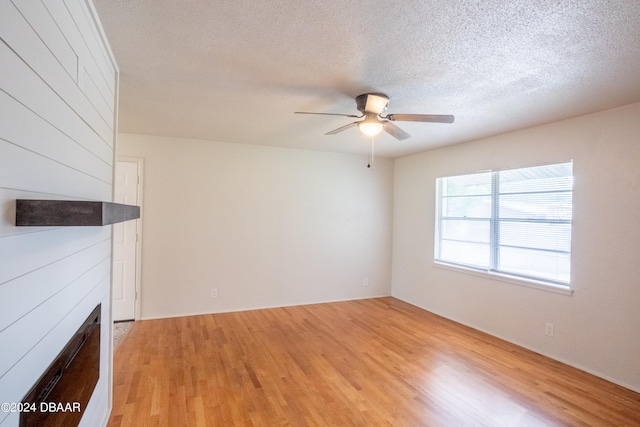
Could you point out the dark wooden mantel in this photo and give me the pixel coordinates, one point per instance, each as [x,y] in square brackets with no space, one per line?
[72,213]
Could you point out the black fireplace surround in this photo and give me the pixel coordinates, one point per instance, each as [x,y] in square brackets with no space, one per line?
[60,397]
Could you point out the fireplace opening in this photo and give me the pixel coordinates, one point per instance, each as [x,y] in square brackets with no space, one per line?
[60,397]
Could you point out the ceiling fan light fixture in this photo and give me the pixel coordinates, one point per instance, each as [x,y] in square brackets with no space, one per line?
[371,106]
[370,128]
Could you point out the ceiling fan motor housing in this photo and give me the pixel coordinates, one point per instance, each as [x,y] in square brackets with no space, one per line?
[372,102]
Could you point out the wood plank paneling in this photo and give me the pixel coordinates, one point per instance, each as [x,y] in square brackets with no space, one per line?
[21,83]
[378,362]
[93,93]
[104,73]
[43,24]
[93,42]
[69,182]
[22,253]
[47,281]
[40,136]
[53,309]
[16,32]
[57,96]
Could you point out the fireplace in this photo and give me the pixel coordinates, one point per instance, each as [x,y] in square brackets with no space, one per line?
[60,396]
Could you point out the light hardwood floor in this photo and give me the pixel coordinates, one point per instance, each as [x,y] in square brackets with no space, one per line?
[377,362]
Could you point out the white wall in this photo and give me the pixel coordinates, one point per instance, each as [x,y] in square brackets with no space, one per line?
[265,226]
[598,327]
[57,92]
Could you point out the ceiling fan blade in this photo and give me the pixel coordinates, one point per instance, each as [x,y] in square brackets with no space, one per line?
[340,129]
[329,114]
[395,131]
[433,118]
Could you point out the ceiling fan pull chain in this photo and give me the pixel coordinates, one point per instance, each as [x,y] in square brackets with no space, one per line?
[370,165]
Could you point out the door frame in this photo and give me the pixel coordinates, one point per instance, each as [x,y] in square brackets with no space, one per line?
[138,285]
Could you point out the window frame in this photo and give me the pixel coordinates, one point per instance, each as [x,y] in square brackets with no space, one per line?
[494,220]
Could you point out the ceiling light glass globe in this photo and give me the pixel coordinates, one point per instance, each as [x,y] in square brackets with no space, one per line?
[370,128]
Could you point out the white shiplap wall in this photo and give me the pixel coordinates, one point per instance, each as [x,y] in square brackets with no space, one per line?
[58,86]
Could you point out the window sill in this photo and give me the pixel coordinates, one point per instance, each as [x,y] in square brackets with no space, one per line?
[543,286]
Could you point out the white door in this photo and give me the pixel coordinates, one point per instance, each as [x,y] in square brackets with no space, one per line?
[125,244]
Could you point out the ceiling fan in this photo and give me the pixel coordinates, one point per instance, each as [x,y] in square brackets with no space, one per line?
[371,105]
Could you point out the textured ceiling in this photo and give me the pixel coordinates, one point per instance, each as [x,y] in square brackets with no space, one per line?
[236,71]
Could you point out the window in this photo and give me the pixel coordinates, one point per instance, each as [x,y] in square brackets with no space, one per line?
[514,222]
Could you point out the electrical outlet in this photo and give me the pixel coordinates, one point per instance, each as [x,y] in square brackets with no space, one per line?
[365,282]
[214,292]
[548,329]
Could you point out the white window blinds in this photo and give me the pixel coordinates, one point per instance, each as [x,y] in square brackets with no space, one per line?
[515,222]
